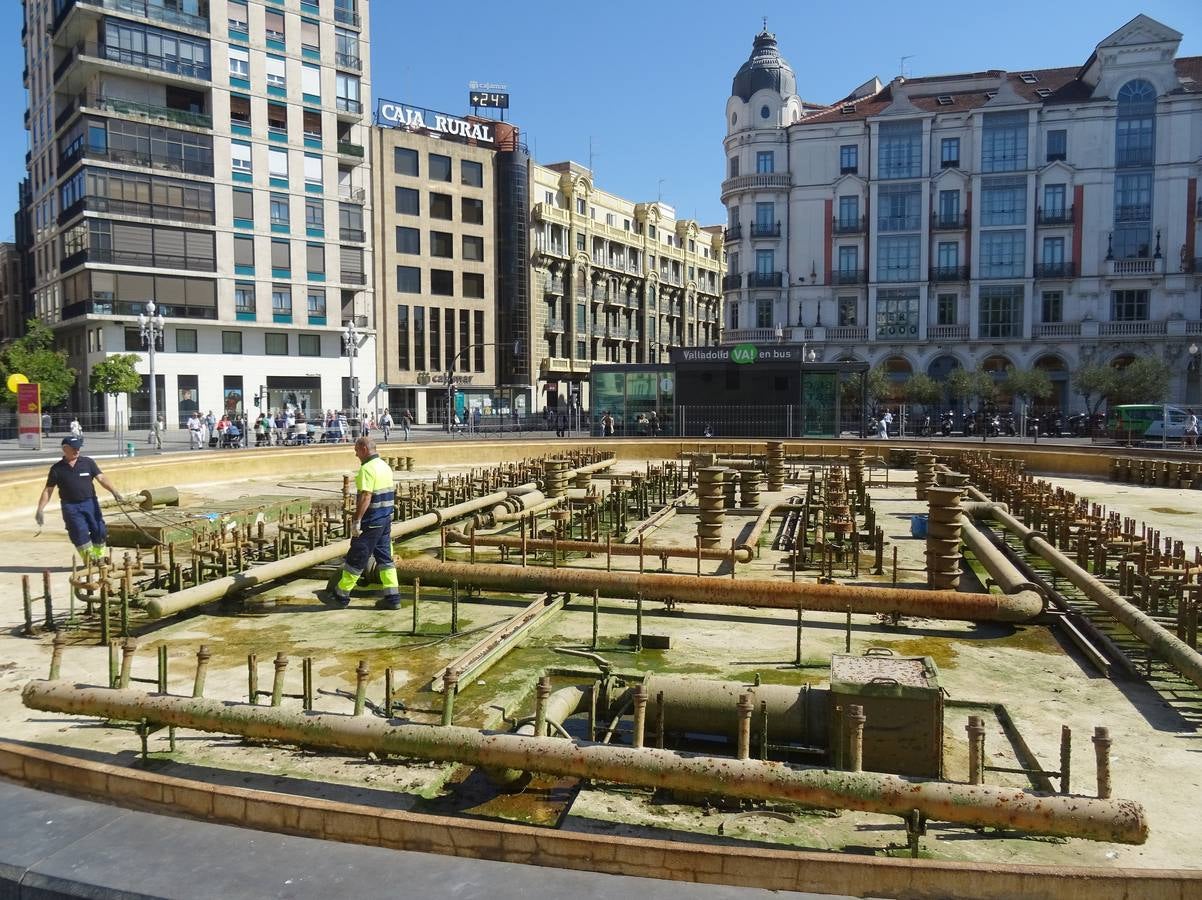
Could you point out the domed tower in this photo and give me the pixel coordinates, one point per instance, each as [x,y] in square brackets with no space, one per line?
[763,103]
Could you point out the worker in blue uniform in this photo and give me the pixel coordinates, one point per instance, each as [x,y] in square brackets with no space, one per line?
[371,530]
[75,476]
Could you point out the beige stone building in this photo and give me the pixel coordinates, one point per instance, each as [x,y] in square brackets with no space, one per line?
[613,281]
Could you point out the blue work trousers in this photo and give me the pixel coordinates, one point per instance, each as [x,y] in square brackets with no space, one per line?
[85,524]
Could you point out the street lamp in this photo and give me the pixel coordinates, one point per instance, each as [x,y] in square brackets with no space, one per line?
[350,342]
[152,326]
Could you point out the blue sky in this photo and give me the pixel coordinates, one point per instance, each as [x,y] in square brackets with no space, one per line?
[648,82]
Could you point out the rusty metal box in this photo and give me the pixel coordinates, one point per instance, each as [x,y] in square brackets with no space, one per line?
[903,710]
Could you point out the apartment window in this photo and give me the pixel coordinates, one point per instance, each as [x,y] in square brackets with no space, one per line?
[185,340]
[765,215]
[435,325]
[896,312]
[308,345]
[408,240]
[273,25]
[440,167]
[580,206]
[1000,314]
[347,92]
[281,300]
[243,205]
[849,311]
[239,63]
[471,173]
[316,303]
[311,125]
[473,285]
[1004,201]
[473,248]
[346,49]
[734,167]
[277,71]
[404,161]
[244,253]
[277,163]
[239,110]
[402,333]
[1004,142]
[582,350]
[900,207]
[442,244]
[275,343]
[155,48]
[1053,200]
[408,280]
[440,206]
[244,300]
[849,159]
[945,309]
[765,263]
[407,202]
[949,153]
[763,313]
[419,337]
[478,338]
[1053,251]
[442,282]
[231,342]
[900,150]
[281,256]
[277,119]
[310,34]
[1002,254]
[313,169]
[472,211]
[279,209]
[898,258]
[949,207]
[315,214]
[310,80]
[240,156]
[1128,306]
[765,162]
[579,241]
[1051,306]
[315,259]
[849,259]
[849,212]
[1057,145]
[236,14]
[948,254]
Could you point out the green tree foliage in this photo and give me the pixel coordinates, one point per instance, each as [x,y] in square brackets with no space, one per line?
[976,385]
[1028,384]
[1093,383]
[35,357]
[1145,380]
[923,390]
[116,375]
[875,383]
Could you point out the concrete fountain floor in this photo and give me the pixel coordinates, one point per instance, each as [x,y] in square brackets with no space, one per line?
[1041,684]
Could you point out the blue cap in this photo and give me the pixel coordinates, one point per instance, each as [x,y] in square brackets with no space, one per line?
[73,441]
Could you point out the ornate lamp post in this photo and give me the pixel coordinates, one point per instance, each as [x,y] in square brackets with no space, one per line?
[152,326]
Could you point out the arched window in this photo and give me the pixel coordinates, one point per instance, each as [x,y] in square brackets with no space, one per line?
[1134,92]
[1134,157]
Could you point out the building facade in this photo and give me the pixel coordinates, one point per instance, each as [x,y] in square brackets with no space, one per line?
[12,325]
[613,281]
[1046,219]
[209,156]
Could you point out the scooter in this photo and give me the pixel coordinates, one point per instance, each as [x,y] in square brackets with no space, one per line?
[946,423]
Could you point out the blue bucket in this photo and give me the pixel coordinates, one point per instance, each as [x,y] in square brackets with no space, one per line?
[918,526]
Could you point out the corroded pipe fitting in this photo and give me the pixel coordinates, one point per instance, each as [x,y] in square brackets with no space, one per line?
[1101,746]
[202,670]
[744,707]
[640,716]
[855,738]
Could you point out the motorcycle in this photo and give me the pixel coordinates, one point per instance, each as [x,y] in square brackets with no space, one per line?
[1006,426]
[970,424]
[947,423]
[924,427]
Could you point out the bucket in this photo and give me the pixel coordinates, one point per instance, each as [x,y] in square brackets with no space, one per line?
[130,449]
[918,526]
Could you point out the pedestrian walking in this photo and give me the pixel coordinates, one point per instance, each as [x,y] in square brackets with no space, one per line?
[406,422]
[194,437]
[46,423]
[561,424]
[386,424]
[75,428]
[75,475]
[1191,429]
[371,530]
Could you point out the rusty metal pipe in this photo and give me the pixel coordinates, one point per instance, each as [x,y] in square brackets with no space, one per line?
[1000,569]
[1117,821]
[748,592]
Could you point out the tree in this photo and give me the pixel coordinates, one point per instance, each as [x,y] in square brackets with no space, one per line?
[1144,380]
[1028,384]
[875,385]
[975,385]
[1094,383]
[35,357]
[116,375]
[923,390]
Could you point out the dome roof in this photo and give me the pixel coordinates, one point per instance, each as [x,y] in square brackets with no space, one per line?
[765,68]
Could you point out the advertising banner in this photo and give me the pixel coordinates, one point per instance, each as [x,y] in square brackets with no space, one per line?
[29,416]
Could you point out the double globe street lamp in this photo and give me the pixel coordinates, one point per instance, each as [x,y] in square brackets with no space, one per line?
[152,327]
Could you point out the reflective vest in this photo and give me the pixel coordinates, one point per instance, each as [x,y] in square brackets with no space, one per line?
[375,477]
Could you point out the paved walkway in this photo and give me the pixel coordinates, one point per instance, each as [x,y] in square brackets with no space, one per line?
[54,846]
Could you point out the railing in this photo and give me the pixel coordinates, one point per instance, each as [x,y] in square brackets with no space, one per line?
[354,194]
[1055,270]
[155,11]
[733,233]
[1132,329]
[847,333]
[202,167]
[950,221]
[1055,216]
[765,230]
[554,286]
[732,281]
[345,16]
[753,182]
[1134,267]
[616,332]
[355,235]
[949,273]
[136,58]
[106,256]
[555,326]
[764,279]
[1133,212]
[751,336]
[850,226]
[346,148]
[136,308]
[352,278]
[898,223]
[1056,330]
[1133,156]
[849,276]
[348,61]
[947,332]
[346,104]
[136,209]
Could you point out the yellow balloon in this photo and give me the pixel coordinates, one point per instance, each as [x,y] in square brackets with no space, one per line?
[16,378]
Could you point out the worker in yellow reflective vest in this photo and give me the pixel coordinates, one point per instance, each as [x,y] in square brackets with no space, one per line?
[371,530]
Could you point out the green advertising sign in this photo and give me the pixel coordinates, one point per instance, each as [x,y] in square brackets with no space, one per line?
[744,354]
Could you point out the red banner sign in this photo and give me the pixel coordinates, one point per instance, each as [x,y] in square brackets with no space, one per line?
[29,416]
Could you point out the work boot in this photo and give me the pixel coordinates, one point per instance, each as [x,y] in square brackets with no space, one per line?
[335,598]
[389,601]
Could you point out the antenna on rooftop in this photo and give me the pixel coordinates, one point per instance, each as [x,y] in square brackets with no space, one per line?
[901,66]
[659,193]
[765,23]
[591,156]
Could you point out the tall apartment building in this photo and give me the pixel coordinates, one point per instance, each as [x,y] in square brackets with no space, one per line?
[209,156]
[614,281]
[450,277]
[1045,218]
[11,297]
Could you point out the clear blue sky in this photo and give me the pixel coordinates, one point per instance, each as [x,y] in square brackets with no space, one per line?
[649,81]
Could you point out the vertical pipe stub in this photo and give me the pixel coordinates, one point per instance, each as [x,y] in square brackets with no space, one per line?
[1101,746]
[555,477]
[202,670]
[640,715]
[976,749]
[944,524]
[745,708]
[542,690]
[775,465]
[711,499]
[855,738]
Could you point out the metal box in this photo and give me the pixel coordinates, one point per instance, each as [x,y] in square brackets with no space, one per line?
[903,710]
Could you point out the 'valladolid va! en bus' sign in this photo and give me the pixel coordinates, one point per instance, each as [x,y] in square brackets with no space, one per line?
[740,354]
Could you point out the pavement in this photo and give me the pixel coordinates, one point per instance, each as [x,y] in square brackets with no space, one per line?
[54,846]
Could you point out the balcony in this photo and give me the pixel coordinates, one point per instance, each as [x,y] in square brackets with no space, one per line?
[357,278]
[137,58]
[1054,216]
[948,273]
[1129,157]
[353,194]
[898,223]
[1133,212]
[352,235]
[554,326]
[755,182]
[348,107]
[950,221]
[764,279]
[157,12]
[108,257]
[947,332]
[753,336]
[732,282]
[346,148]
[765,230]
[344,16]
[850,226]
[1134,268]
[847,334]
[733,233]
[554,286]
[1054,331]
[849,276]
[1132,329]
[616,332]
[162,161]
[135,209]
[136,308]
[348,61]
[1056,270]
